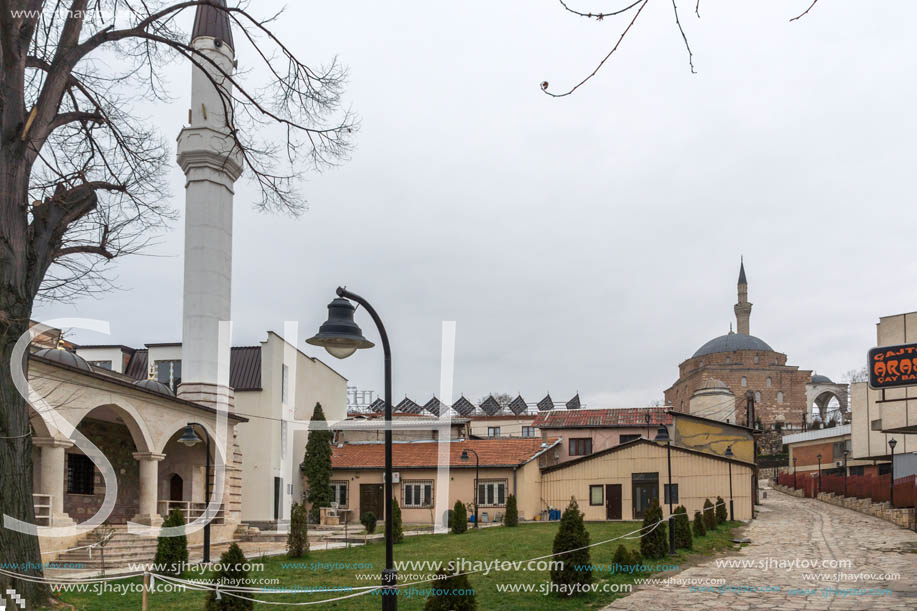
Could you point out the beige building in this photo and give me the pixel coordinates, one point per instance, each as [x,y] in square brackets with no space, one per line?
[619,483]
[135,424]
[507,466]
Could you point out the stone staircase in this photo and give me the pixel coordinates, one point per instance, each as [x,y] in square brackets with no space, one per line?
[120,550]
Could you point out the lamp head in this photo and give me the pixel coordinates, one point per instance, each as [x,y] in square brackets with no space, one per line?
[662,434]
[892,443]
[340,335]
[189,437]
[464,455]
[728,453]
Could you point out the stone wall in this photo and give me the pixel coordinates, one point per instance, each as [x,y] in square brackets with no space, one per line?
[900,517]
[115,442]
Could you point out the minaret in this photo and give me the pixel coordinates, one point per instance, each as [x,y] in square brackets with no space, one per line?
[743,308]
[211,166]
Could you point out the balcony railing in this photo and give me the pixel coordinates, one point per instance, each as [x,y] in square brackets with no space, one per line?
[42,504]
[190,510]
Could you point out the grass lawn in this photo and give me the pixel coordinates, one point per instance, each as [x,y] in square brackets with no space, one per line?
[522,543]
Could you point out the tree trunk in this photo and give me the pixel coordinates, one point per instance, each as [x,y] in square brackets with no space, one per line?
[19,552]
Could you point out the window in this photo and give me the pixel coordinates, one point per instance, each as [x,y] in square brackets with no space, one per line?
[101,364]
[493,431]
[857,470]
[768,382]
[728,360]
[756,359]
[665,493]
[744,381]
[284,383]
[528,431]
[626,438]
[492,493]
[596,495]
[780,397]
[80,474]
[885,468]
[580,446]
[169,373]
[418,494]
[757,396]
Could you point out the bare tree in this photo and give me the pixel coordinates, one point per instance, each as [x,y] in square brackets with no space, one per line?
[856,375]
[82,171]
[632,9]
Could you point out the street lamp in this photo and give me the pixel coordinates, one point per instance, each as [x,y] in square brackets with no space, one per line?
[728,454]
[477,474]
[795,487]
[341,337]
[819,473]
[663,435]
[846,453]
[891,490]
[189,438]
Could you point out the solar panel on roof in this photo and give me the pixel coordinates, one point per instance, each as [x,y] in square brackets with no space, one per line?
[408,407]
[490,406]
[546,404]
[377,406]
[574,402]
[518,405]
[434,406]
[463,406]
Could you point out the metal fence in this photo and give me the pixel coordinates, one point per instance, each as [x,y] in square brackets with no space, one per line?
[874,487]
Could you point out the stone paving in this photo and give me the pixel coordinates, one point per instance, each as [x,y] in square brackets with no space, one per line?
[788,528]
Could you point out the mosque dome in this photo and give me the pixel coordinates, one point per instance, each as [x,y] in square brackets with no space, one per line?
[820,379]
[64,357]
[155,386]
[732,342]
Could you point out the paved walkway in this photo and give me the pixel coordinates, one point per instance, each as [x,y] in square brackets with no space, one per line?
[790,528]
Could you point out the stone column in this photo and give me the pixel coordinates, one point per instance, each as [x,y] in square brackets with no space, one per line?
[149,488]
[53,474]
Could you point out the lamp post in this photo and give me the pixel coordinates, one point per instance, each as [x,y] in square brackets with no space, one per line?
[819,473]
[846,453]
[341,337]
[891,489]
[477,475]
[190,438]
[663,435]
[794,474]
[728,454]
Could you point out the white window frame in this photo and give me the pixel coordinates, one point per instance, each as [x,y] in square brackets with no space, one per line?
[336,486]
[530,430]
[417,492]
[491,492]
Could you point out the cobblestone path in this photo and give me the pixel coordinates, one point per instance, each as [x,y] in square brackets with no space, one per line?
[787,529]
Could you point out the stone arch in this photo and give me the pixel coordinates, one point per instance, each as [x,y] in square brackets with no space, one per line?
[827,400]
[130,418]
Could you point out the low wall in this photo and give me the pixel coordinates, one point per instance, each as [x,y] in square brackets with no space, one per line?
[900,517]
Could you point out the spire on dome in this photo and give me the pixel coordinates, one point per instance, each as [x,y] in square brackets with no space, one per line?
[212,21]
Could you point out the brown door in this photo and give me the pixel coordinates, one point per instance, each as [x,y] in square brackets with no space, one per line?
[371,496]
[176,488]
[612,501]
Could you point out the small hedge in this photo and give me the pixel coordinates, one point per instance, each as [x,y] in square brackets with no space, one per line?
[459,518]
[682,526]
[397,530]
[721,514]
[232,574]
[572,535]
[709,516]
[451,593]
[699,529]
[512,512]
[653,540]
[172,552]
[368,520]
[298,538]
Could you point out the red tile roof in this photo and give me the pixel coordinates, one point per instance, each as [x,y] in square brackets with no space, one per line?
[586,418]
[492,453]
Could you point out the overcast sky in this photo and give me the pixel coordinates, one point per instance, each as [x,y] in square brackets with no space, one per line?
[589,243]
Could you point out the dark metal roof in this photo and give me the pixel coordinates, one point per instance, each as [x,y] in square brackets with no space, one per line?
[820,379]
[732,342]
[546,404]
[212,21]
[244,367]
[490,406]
[518,406]
[64,357]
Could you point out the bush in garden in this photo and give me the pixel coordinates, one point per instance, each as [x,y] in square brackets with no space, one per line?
[232,573]
[368,520]
[316,465]
[653,541]
[451,593]
[721,513]
[512,512]
[572,535]
[709,516]
[298,539]
[682,526]
[622,558]
[699,529]
[397,530]
[459,518]
[637,560]
[172,552]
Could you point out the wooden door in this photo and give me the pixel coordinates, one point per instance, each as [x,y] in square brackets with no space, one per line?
[371,497]
[612,501]
[644,493]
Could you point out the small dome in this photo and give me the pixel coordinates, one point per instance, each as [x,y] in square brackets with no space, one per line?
[713,383]
[64,357]
[820,379]
[732,342]
[155,386]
